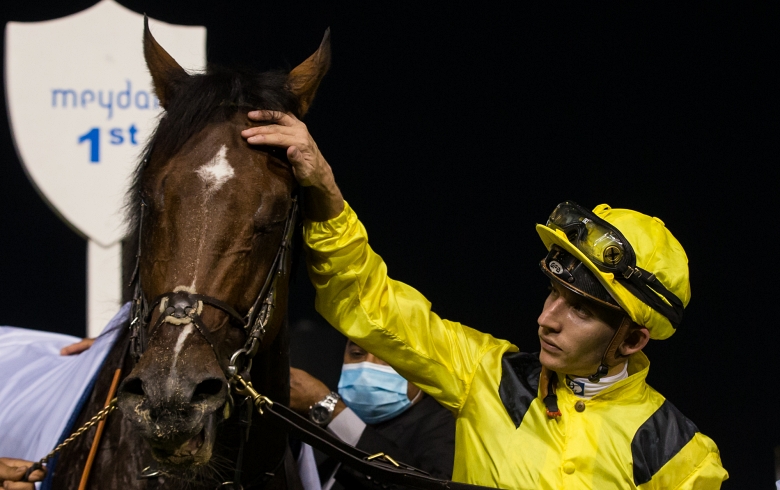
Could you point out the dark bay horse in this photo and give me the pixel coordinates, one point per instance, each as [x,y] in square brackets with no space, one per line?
[209,214]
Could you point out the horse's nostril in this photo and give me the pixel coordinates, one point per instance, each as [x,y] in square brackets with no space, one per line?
[133,386]
[207,389]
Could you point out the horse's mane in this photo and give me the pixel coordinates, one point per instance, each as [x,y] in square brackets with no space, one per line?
[201,99]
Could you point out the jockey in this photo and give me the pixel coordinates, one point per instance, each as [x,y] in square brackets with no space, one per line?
[578,414]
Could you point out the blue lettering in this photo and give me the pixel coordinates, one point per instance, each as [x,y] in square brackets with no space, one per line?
[116,136]
[63,93]
[84,100]
[126,94]
[93,136]
[109,100]
[145,104]
[132,131]
[109,104]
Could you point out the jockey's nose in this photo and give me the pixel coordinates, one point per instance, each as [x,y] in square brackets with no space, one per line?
[550,318]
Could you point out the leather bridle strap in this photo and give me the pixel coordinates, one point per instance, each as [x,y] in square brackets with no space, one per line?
[380,466]
[382,469]
[254,322]
[196,320]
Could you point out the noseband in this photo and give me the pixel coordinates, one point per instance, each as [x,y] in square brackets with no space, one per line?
[181,307]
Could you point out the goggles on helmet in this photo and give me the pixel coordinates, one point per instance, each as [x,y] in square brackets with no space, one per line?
[610,252]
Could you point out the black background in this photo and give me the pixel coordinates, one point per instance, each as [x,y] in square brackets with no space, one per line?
[452,129]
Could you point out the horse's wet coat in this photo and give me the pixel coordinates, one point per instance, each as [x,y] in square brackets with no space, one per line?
[185,333]
[214,174]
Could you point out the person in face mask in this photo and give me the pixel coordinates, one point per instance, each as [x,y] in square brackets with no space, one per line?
[375,409]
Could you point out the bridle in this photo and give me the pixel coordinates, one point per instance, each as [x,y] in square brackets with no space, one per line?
[181,306]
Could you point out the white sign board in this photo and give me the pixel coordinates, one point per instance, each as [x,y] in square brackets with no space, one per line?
[81,108]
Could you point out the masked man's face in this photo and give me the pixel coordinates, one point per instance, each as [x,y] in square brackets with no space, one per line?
[354,354]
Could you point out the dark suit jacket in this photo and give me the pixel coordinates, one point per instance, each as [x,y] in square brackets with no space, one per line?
[423,436]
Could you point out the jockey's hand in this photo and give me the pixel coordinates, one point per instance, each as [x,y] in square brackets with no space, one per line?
[13,470]
[310,168]
[77,348]
[306,390]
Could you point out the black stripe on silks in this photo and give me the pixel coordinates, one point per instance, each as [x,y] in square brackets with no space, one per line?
[658,440]
[519,383]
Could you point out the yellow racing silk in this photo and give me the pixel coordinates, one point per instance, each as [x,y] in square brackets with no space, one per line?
[627,436]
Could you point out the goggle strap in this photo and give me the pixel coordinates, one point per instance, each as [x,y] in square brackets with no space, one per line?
[659,288]
[647,288]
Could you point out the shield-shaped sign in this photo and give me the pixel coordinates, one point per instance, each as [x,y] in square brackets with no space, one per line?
[81,108]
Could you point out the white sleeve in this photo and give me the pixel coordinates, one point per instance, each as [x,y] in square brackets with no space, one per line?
[347,426]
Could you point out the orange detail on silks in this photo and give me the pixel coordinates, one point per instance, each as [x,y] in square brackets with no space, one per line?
[553,415]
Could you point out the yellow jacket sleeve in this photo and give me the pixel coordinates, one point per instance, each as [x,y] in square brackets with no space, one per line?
[391,320]
[696,467]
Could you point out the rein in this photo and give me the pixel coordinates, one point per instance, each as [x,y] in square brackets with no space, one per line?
[380,465]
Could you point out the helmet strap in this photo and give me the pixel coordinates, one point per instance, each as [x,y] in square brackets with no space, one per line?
[610,355]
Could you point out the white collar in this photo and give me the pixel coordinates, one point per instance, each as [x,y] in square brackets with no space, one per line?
[587,389]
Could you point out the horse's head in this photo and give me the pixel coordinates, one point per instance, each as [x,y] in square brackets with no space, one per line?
[209,213]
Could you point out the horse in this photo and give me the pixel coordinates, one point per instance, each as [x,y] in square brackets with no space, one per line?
[212,218]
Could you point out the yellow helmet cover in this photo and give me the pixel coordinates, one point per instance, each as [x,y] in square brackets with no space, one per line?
[656,251]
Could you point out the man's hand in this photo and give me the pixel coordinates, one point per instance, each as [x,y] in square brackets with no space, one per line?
[77,348]
[306,390]
[324,200]
[13,470]
[286,131]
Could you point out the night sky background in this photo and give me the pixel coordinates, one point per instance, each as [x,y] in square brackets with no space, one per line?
[453,130]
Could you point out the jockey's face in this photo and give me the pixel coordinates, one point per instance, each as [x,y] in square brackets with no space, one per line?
[573,333]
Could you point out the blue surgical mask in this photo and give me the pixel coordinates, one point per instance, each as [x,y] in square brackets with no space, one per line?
[373,391]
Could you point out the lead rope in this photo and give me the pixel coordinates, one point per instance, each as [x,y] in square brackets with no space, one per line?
[110,407]
[99,431]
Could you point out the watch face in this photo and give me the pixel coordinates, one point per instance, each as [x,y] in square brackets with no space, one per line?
[320,414]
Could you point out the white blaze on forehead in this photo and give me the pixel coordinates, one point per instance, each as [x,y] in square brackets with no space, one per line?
[217,171]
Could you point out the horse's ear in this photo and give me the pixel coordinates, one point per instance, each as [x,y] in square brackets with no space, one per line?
[304,79]
[164,69]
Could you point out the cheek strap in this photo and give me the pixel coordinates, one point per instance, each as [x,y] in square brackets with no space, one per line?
[611,357]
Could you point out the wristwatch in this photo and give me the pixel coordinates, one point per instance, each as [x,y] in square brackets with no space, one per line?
[321,413]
